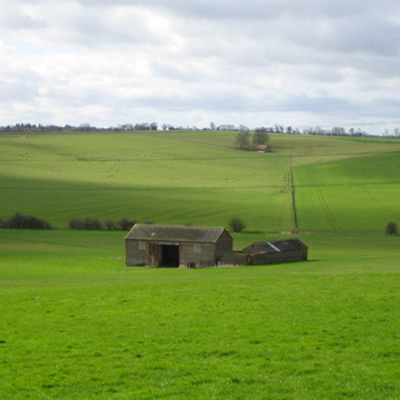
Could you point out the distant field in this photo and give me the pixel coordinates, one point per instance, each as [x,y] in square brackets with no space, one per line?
[196,178]
[77,324]
[200,178]
[353,195]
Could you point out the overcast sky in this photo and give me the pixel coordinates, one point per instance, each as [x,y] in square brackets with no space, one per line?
[189,62]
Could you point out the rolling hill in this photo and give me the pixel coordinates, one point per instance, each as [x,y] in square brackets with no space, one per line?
[200,178]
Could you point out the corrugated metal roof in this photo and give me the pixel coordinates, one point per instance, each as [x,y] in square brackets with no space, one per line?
[273,247]
[289,244]
[173,233]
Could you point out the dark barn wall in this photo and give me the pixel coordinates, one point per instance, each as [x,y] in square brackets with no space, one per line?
[197,254]
[238,258]
[279,257]
[224,245]
[190,254]
[234,258]
[137,252]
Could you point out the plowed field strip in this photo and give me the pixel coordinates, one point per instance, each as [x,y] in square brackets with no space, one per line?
[328,213]
[293,193]
[364,188]
[350,184]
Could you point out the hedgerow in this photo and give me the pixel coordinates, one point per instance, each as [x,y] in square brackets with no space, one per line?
[20,221]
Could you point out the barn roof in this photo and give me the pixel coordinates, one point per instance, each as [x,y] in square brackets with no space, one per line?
[263,148]
[174,233]
[275,246]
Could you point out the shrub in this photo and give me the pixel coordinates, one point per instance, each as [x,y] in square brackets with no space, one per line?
[125,224]
[20,221]
[243,140]
[391,228]
[90,224]
[236,224]
[260,138]
[93,224]
[110,225]
[75,224]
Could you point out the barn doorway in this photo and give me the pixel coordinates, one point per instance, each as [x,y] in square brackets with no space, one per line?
[170,256]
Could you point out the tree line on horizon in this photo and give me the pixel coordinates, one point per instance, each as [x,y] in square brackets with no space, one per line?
[153,126]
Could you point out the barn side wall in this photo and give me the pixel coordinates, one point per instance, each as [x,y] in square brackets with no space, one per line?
[224,245]
[279,257]
[136,253]
[190,254]
[238,258]
[197,254]
[235,258]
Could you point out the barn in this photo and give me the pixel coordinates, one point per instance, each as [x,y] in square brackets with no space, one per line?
[176,246]
[269,252]
[263,148]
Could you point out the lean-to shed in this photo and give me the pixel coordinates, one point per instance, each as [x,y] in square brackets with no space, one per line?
[176,246]
[269,252]
[276,251]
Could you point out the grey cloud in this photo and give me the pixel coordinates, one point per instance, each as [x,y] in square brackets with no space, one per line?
[368,35]
[99,28]
[239,9]
[361,34]
[18,84]
[99,31]
[21,91]
[206,100]
[16,19]
[173,71]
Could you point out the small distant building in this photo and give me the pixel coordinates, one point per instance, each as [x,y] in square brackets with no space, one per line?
[263,148]
[261,253]
[176,246]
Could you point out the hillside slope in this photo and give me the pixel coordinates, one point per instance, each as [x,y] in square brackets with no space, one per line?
[200,178]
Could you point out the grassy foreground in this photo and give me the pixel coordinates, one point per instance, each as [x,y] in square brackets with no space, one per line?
[77,324]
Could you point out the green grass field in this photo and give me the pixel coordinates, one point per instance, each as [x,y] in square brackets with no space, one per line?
[77,324]
[165,178]
[357,194]
[202,179]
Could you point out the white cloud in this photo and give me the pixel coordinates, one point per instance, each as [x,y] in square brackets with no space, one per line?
[257,62]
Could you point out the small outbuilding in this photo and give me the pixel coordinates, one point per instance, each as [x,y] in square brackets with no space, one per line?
[269,252]
[176,246]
